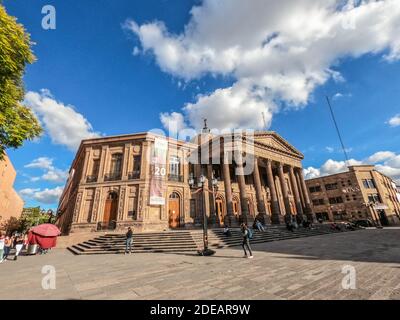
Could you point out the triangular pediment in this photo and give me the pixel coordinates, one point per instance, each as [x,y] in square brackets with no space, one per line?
[276,142]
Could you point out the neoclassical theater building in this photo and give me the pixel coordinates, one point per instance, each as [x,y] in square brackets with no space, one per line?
[150,182]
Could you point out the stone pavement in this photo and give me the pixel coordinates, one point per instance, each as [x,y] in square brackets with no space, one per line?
[304,268]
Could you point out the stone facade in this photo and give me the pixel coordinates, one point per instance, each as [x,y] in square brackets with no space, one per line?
[360,193]
[11,204]
[110,180]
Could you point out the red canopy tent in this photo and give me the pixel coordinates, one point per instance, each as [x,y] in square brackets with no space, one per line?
[45,235]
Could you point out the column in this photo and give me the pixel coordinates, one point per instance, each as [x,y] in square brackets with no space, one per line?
[275,216]
[103,163]
[88,153]
[296,193]
[211,195]
[262,212]
[307,209]
[230,219]
[242,189]
[284,187]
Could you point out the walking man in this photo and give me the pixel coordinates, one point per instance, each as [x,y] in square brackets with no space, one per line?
[129,236]
[246,240]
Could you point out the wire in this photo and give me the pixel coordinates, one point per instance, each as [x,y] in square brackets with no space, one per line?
[337,130]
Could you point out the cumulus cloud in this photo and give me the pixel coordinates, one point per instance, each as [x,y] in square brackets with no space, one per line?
[51,173]
[46,196]
[173,122]
[276,51]
[395,121]
[386,162]
[63,123]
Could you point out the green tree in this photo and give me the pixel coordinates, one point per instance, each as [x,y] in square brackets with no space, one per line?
[17,122]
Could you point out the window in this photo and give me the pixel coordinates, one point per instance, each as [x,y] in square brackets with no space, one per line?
[335,200]
[116,164]
[96,167]
[217,171]
[331,186]
[369,184]
[318,202]
[136,163]
[322,216]
[314,189]
[174,166]
[375,198]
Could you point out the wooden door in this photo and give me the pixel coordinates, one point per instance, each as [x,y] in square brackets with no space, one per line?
[110,210]
[174,213]
[219,205]
[235,207]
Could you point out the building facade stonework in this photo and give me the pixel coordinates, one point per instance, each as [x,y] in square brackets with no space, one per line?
[360,193]
[111,183]
[11,204]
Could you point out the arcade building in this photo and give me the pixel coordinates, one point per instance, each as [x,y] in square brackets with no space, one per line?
[151,183]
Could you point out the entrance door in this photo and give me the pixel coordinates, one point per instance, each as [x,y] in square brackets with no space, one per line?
[174,210]
[110,211]
[383,218]
[235,205]
[219,205]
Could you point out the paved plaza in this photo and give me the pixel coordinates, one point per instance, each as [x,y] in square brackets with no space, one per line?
[304,268]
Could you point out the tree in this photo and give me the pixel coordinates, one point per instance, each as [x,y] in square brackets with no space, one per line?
[17,122]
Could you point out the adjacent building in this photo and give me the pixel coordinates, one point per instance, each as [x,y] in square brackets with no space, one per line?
[360,193]
[150,182]
[11,204]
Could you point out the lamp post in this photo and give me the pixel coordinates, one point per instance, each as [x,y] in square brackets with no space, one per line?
[201,186]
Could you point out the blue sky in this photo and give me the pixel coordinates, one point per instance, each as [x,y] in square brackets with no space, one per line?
[88,62]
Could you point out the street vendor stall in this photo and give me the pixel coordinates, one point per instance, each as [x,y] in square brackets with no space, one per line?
[43,236]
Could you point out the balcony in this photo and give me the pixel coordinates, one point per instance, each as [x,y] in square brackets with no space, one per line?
[134,175]
[112,176]
[175,177]
[91,179]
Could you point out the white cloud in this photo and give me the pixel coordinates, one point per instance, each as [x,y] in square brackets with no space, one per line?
[64,125]
[330,149]
[41,163]
[46,196]
[395,121]
[386,162]
[173,122]
[51,174]
[275,50]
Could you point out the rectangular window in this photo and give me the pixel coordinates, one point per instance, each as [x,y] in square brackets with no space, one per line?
[335,200]
[374,198]
[318,202]
[369,184]
[174,166]
[331,186]
[96,167]
[314,189]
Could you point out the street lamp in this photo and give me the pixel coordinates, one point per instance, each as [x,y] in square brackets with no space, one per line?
[201,185]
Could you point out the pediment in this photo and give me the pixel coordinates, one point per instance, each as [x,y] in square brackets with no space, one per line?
[276,142]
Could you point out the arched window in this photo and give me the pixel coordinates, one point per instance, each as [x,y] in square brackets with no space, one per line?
[112,196]
[174,195]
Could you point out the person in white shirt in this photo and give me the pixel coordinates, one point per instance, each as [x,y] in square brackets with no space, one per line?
[1,247]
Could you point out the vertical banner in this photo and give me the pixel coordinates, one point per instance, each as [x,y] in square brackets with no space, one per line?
[158,172]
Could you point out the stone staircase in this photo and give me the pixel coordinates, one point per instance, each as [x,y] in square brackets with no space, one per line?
[188,240]
[218,240]
[168,241]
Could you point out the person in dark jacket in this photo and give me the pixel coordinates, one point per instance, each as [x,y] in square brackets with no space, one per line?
[246,241]
[128,243]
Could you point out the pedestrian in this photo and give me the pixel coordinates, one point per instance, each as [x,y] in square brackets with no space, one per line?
[1,246]
[7,247]
[19,243]
[227,232]
[25,241]
[259,225]
[246,233]
[129,236]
